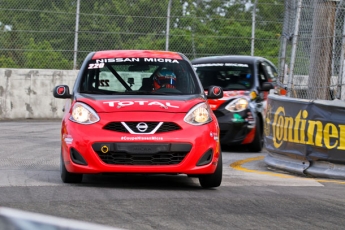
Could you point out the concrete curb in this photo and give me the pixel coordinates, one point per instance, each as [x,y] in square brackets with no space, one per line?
[286,163]
[320,169]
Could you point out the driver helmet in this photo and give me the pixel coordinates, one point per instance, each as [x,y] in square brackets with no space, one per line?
[164,79]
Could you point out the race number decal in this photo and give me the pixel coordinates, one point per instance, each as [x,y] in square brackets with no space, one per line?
[96,66]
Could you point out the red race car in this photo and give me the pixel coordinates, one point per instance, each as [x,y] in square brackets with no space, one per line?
[139,111]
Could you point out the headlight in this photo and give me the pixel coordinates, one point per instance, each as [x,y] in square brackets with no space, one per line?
[198,115]
[237,105]
[83,114]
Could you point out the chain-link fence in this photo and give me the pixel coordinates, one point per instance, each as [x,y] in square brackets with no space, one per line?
[58,34]
[312,50]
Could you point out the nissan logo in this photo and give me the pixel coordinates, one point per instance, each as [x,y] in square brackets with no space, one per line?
[142,127]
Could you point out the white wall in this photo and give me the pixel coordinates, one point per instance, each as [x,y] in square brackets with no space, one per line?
[28,93]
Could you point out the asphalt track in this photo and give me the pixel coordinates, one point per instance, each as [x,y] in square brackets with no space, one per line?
[252,196]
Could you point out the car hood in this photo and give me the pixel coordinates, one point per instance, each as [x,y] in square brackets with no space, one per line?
[227,95]
[105,104]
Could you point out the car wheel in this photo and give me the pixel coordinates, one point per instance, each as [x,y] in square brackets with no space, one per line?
[258,142]
[66,176]
[215,179]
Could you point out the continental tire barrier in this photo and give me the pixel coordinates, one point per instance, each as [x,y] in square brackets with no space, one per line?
[306,136]
[28,93]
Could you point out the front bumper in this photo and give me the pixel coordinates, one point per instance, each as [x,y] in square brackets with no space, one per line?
[235,129]
[92,149]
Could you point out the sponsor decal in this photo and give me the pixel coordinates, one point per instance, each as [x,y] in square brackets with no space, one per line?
[160,60]
[221,64]
[234,93]
[214,135]
[100,62]
[106,60]
[140,138]
[120,104]
[253,95]
[214,103]
[237,118]
[300,129]
[68,139]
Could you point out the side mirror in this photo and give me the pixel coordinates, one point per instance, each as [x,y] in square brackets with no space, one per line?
[214,92]
[61,91]
[267,86]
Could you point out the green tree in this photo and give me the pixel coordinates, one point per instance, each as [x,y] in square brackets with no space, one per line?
[41,55]
[197,28]
[7,62]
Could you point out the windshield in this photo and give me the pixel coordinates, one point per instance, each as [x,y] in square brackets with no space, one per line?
[139,76]
[229,76]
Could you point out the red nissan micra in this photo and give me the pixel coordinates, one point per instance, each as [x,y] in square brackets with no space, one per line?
[139,111]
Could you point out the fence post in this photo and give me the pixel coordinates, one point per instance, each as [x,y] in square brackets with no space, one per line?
[168,27]
[253,28]
[294,47]
[341,70]
[320,68]
[76,36]
[285,37]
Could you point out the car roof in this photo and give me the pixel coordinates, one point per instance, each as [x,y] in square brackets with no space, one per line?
[137,54]
[228,58]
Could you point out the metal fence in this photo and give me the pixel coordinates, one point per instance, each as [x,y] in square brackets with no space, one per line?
[312,49]
[58,34]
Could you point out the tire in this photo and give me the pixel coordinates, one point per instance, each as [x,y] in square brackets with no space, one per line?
[258,142]
[66,176]
[215,179]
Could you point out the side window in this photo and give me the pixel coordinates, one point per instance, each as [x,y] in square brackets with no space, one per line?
[272,73]
[262,73]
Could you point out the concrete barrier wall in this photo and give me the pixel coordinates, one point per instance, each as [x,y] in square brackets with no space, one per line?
[28,93]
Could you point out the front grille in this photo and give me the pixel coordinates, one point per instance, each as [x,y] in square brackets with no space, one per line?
[168,127]
[165,127]
[133,126]
[121,158]
[116,126]
[124,153]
